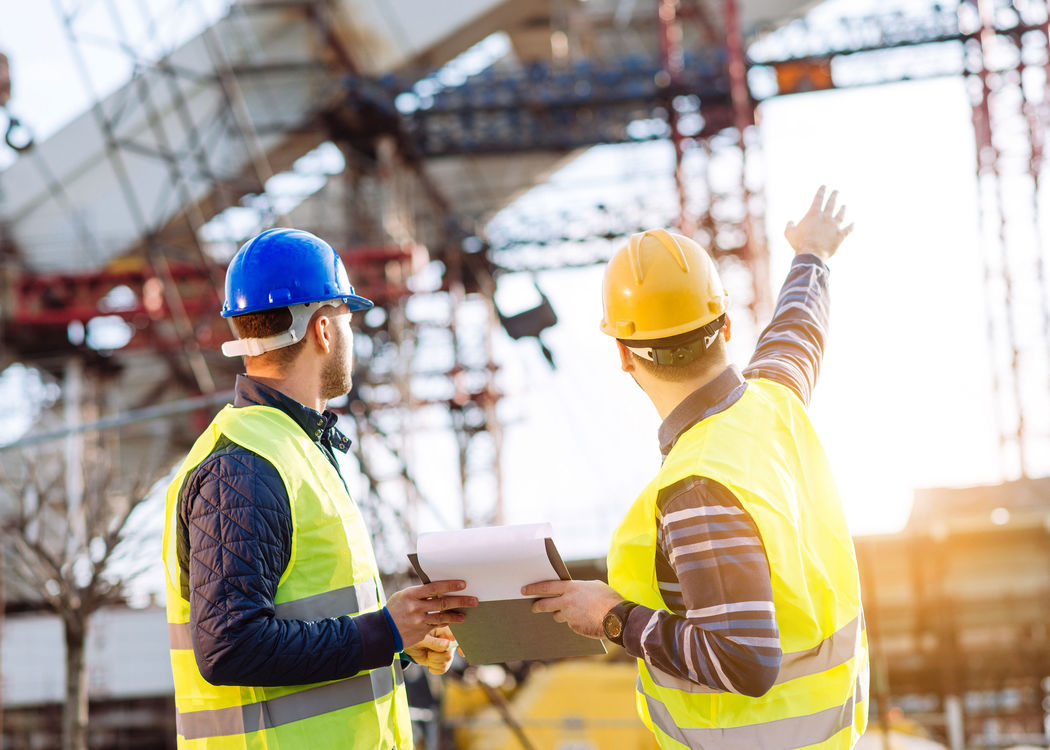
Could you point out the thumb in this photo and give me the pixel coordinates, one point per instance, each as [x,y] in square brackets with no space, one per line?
[434,643]
[790,227]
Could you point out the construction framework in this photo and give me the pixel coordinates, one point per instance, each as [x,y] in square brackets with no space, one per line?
[425,358]
[169,286]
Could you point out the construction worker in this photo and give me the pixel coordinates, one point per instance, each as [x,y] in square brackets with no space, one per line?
[280,632]
[733,579]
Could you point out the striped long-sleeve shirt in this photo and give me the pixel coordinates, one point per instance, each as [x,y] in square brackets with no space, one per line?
[711,565]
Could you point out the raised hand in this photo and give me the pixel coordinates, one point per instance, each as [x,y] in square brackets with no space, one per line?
[418,609]
[820,231]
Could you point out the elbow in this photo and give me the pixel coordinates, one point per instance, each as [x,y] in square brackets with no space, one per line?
[218,668]
[761,678]
[226,661]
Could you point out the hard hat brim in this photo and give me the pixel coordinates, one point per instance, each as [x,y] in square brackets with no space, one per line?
[353,301]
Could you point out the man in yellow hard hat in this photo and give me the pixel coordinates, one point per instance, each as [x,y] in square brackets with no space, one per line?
[733,579]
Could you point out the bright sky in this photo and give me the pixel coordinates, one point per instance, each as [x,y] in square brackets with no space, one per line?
[905,395]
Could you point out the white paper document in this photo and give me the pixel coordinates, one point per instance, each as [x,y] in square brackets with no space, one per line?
[495,561]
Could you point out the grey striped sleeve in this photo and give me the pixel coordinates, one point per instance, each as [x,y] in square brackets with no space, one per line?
[713,574]
[791,347]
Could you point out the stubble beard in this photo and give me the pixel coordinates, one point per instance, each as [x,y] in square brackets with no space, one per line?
[336,378]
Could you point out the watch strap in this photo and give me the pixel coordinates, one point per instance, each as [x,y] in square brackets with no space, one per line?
[621,611]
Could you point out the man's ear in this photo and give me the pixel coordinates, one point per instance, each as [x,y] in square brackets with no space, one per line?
[324,332]
[727,329]
[626,360]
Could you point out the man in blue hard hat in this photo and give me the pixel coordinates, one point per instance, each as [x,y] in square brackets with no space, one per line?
[280,632]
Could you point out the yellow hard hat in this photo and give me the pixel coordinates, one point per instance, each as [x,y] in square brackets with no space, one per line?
[660,285]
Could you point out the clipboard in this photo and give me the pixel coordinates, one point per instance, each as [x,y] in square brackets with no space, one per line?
[506,629]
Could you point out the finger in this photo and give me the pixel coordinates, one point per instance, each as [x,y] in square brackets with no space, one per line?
[818,200]
[436,619]
[549,604]
[789,229]
[445,633]
[545,588]
[435,644]
[846,231]
[439,667]
[441,661]
[442,603]
[830,208]
[840,215]
[436,588]
[559,617]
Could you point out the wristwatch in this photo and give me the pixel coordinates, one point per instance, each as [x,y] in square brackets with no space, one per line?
[615,621]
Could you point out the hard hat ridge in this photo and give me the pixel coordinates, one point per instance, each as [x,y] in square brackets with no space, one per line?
[664,238]
[660,285]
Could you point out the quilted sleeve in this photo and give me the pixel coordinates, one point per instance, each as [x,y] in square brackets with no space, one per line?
[238,534]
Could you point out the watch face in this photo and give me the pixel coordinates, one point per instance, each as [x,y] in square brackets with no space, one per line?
[612,625]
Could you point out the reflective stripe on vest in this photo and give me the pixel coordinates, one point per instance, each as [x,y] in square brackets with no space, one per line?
[779,734]
[764,450]
[836,649]
[268,714]
[361,597]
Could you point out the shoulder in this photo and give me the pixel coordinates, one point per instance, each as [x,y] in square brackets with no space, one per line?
[235,475]
[697,493]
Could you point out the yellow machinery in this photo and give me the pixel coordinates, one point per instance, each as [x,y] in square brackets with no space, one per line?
[583,704]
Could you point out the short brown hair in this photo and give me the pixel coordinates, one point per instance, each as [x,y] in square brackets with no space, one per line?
[258,325]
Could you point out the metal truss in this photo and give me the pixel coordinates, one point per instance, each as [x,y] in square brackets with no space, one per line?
[1001,49]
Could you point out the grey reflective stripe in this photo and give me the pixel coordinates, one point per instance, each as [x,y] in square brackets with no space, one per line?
[345,601]
[666,680]
[860,688]
[219,722]
[382,681]
[780,734]
[179,635]
[838,648]
[348,600]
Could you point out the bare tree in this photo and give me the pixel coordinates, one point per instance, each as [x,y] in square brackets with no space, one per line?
[65,509]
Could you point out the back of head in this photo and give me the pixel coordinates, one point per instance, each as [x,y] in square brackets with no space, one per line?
[662,297]
[274,285]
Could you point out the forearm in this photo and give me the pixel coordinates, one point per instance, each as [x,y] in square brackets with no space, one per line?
[713,574]
[725,661]
[264,651]
[791,348]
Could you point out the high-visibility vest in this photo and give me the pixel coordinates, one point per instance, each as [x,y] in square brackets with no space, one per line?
[764,449]
[331,572]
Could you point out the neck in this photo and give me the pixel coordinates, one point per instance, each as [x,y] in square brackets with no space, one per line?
[667,395]
[297,386]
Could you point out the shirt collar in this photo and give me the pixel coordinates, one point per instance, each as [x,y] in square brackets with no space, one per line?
[319,426]
[712,397]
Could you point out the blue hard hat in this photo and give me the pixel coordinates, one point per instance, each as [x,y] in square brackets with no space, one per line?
[284,267]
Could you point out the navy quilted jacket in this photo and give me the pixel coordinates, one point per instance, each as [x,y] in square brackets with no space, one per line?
[234,537]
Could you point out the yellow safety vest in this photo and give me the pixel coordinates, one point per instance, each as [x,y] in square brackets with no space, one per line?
[331,572]
[764,449]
